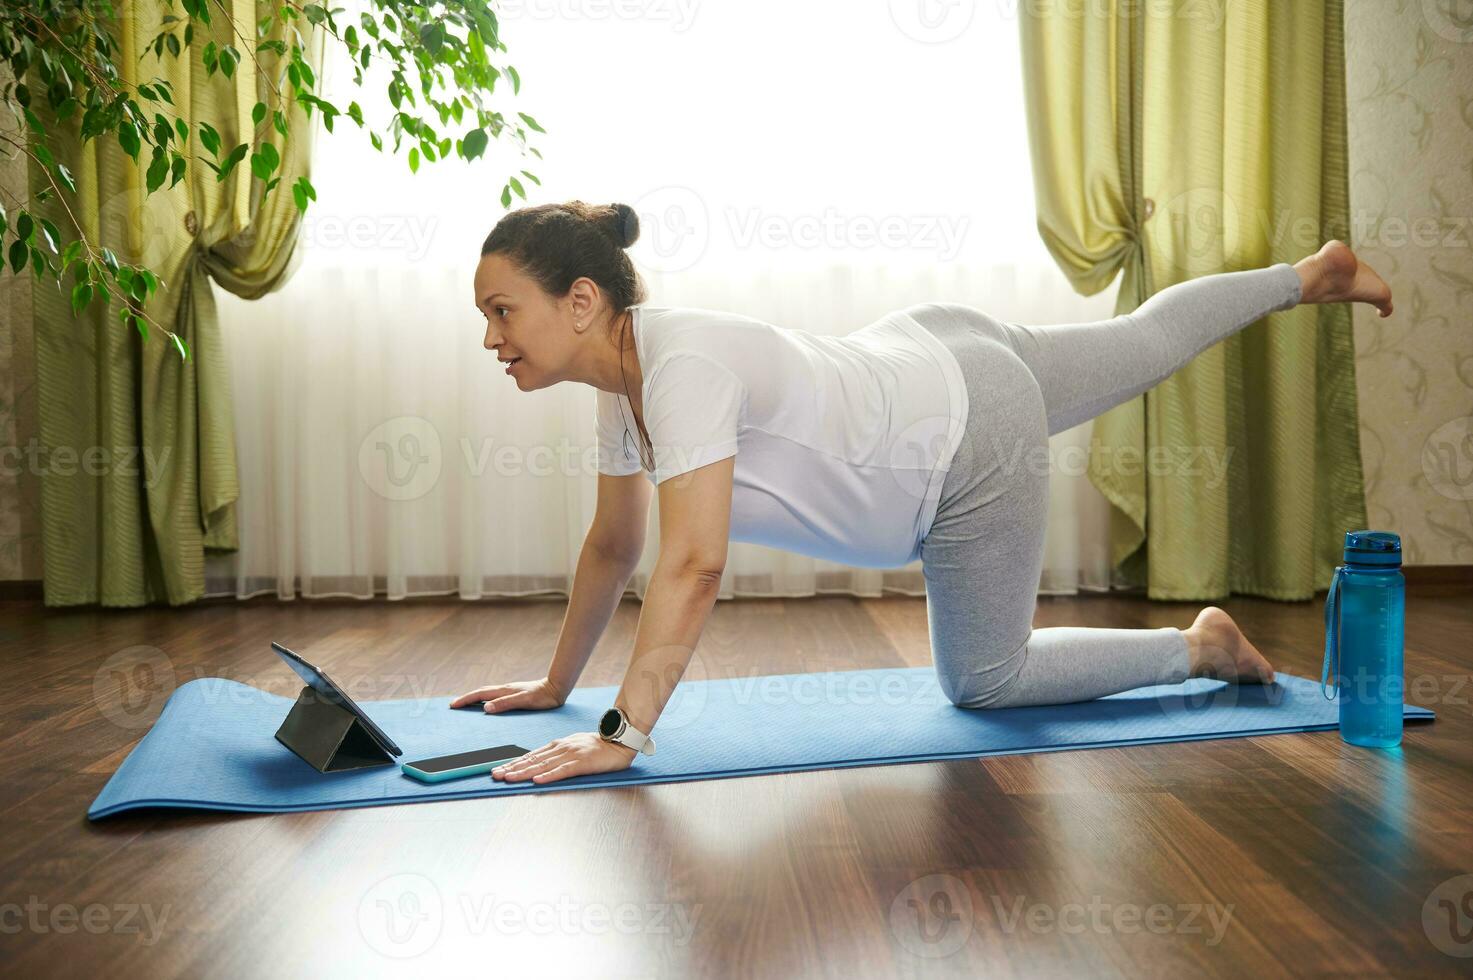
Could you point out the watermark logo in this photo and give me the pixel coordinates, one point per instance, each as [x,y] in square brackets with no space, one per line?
[132,685]
[1447,458]
[1447,916]
[674,228]
[402,916]
[932,917]
[1200,230]
[400,459]
[933,21]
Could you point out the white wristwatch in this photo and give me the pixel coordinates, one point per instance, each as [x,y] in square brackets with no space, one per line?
[614,727]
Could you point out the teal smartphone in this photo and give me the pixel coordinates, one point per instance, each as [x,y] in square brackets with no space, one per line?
[476,763]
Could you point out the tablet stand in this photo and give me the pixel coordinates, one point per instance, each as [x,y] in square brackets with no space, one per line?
[329,738]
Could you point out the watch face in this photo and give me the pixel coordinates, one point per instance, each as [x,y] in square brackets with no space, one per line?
[608,725]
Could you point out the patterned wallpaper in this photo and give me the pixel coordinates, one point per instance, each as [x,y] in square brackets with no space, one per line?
[1410,88]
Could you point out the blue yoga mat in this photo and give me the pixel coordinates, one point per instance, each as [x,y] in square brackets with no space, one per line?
[214,746]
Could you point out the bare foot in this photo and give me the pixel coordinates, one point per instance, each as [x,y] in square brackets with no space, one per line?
[1219,649]
[1335,275]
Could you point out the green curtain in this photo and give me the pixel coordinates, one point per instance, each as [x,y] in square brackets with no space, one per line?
[1174,143]
[132,526]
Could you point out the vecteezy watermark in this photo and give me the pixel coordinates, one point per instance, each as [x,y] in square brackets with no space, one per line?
[939,21]
[1101,917]
[933,21]
[932,917]
[941,234]
[679,14]
[132,685]
[1209,463]
[144,920]
[674,228]
[400,458]
[1447,916]
[409,234]
[401,916]
[404,915]
[1447,458]
[55,460]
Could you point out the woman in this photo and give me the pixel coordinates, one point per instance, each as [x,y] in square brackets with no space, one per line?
[909,438]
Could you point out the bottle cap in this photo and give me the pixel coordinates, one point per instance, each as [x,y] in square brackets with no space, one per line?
[1372,548]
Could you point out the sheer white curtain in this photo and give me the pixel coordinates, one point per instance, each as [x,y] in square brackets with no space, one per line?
[814,165]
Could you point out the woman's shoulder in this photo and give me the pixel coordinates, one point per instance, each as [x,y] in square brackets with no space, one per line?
[666,331]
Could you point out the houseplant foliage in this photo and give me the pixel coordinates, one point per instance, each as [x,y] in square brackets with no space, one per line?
[440,63]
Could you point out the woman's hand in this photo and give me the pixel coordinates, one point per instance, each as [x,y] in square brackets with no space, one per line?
[576,755]
[535,695]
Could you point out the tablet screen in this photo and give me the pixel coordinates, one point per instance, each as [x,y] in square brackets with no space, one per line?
[323,685]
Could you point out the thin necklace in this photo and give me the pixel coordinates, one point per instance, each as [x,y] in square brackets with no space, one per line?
[639,441]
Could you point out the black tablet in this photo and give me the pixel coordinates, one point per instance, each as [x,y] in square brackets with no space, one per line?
[330,692]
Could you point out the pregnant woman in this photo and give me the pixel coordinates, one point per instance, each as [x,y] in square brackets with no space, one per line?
[917,436]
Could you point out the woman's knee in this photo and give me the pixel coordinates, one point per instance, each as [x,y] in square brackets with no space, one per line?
[981,678]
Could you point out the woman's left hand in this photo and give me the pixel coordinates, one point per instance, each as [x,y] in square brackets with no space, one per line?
[575,755]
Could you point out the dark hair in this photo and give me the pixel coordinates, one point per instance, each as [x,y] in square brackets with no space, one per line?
[555,244]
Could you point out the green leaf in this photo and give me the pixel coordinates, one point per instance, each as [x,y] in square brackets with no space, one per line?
[432,36]
[70,253]
[414,160]
[18,255]
[24,225]
[516,185]
[158,169]
[64,177]
[44,155]
[180,345]
[506,197]
[81,296]
[265,161]
[52,236]
[258,113]
[176,170]
[209,139]
[531,123]
[128,139]
[516,80]
[234,157]
[474,144]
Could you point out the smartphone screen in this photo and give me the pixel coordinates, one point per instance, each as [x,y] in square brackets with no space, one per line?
[460,760]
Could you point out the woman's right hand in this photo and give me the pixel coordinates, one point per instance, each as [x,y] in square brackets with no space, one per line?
[537,695]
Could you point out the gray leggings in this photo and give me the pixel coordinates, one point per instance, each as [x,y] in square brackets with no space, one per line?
[984,553]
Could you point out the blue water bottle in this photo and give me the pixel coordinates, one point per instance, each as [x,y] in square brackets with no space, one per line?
[1364,613]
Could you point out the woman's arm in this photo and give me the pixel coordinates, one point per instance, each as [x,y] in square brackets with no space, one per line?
[695,519]
[611,551]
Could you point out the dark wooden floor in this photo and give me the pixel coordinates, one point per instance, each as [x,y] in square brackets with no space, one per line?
[1264,856]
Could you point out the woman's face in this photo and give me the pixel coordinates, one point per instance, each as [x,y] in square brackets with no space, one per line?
[531,332]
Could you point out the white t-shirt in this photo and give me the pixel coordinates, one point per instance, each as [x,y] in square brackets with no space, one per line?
[841,443]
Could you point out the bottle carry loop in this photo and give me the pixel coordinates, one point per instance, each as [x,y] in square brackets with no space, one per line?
[1332,633]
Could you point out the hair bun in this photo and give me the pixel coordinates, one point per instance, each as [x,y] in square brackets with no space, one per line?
[624,224]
